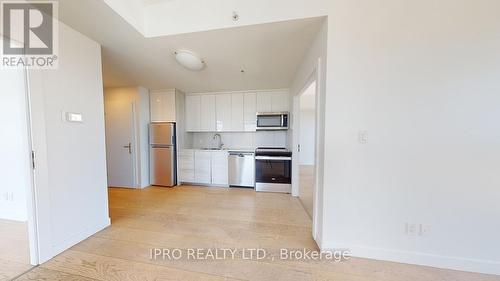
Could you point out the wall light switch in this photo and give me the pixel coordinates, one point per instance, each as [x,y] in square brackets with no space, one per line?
[74,117]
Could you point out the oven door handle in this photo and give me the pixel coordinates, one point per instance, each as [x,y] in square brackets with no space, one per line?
[272,158]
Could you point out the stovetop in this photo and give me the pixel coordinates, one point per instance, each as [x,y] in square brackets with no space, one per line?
[272,151]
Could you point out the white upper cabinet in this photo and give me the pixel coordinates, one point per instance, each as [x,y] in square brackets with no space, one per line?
[207,113]
[231,112]
[162,105]
[250,111]
[264,102]
[223,106]
[193,109]
[280,102]
[237,112]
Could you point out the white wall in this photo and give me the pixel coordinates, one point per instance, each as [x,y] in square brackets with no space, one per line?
[14,149]
[307,136]
[242,140]
[143,120]
[72,199]
[312,67]
[422,77]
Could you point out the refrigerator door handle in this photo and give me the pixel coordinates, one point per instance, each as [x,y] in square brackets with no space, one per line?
[129,146]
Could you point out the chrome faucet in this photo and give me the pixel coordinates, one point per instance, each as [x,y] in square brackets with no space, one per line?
[219,146]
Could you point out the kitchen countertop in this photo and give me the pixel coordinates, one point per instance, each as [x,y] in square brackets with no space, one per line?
[247,150]
[240,150]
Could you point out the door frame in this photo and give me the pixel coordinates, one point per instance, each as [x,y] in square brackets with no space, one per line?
[134,138]
[31,197]
[314,76]
[31,194]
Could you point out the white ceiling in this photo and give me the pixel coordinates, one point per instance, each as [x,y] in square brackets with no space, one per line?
[269,53]
[150,2]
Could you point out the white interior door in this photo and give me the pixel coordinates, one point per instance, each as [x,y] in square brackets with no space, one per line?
[17,201]
[119,110]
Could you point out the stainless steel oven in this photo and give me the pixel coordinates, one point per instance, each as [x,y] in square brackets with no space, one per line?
[271,121]
[273,170]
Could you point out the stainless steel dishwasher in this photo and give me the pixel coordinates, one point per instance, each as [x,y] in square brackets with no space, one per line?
[241,169]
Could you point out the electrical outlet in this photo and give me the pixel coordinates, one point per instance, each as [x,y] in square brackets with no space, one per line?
[8,196]
[411,229]
[423,229]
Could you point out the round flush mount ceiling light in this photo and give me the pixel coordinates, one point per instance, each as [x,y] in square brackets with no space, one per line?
[189,60]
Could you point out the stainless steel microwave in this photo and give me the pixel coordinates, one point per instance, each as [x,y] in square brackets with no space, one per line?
[272,121]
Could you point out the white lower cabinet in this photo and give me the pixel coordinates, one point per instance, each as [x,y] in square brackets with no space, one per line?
[220,168]
[203,167]
[185,161]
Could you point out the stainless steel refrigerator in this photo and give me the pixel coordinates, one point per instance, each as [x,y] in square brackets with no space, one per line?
[162,154]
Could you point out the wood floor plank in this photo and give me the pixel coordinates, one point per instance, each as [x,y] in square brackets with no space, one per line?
[107,268]
[237,268]
[10,269]
[14,249]
[187,238]
[200,217]
[170,219]
[14,243]
[43,274]
[306,187]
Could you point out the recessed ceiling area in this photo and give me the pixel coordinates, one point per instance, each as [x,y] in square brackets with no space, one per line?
[268,54]
[151,2]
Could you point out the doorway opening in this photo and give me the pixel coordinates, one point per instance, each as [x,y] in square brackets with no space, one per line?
[306,147]
[127,152]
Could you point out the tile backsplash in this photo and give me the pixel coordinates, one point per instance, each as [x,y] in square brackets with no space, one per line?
[245,140]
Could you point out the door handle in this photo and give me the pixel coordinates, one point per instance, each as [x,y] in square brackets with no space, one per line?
[129,146]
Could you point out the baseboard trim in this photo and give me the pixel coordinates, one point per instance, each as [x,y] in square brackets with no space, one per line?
[417,258]
[77,238]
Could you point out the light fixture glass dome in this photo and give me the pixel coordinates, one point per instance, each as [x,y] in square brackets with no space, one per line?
[189,60]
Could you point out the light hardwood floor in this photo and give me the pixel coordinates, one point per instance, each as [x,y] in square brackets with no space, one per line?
[199,217]
[306,188]
[14,249]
